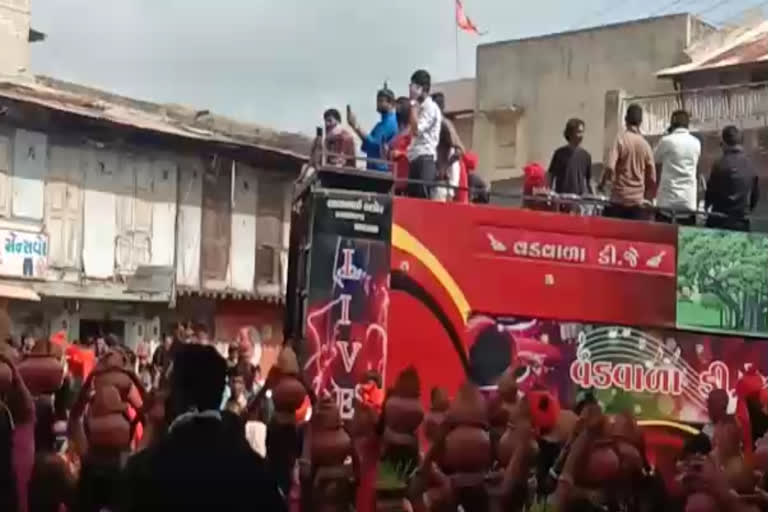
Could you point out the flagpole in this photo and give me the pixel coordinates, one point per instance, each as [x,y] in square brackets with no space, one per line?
[456,34]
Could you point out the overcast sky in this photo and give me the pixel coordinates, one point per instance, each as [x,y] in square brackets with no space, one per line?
[282,62]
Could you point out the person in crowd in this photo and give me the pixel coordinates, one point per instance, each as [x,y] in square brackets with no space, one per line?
[677,160]
[375,142]
[233,354]
[97,487]
[479,191]
[237,389]
[100,347]
[339,143]
[699,444]
[202,463]
[203,336]
[398,150]
[449,153]
[535,187]
[630,169]
[17,441]
[247,360]
[570,171]
[732,189]
[222,347]
[425,123]
[54,480]
[717,409]
[162,357]
[9,499]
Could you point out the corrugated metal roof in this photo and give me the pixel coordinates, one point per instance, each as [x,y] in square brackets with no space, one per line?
[745,44]
[160,118]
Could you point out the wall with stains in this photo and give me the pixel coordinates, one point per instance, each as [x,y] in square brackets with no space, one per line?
[527,89]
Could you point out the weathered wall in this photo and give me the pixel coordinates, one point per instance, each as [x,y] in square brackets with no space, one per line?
[104,209]
[464,127]
[551,78]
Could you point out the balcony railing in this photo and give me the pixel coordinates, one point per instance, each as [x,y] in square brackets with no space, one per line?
[710,108]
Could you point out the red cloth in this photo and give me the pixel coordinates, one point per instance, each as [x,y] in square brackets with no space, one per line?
[80,361]
[372,396]
[468,164]
[545,409]
[535,177]
[751,385]
[463,21]
[398,154]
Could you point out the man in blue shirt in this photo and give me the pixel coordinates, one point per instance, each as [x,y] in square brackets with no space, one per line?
[375,142]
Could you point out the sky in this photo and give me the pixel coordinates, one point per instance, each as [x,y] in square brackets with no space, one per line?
[281,63]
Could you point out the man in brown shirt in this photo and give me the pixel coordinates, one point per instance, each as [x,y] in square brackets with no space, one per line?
[631,170]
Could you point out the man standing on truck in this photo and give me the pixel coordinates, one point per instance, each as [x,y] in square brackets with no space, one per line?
[732,187]
[339,143]
[677,160]
[425,123]
[631,170]
[570,171]
[383,132]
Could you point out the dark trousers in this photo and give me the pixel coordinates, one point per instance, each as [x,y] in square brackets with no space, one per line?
[619,211]
[732,223]
[682,219]
[423,169]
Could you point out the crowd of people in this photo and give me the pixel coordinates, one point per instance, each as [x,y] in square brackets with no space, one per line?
[273,445]
[71,414]
[413,139]
[421,147]
[667,176]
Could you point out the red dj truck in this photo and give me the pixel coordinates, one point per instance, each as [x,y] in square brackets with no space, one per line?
[650,317]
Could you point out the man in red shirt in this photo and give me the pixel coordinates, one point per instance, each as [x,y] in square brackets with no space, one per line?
[398,151]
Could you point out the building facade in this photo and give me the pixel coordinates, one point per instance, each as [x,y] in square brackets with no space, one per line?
[723,81]
[460,106]
[528,88]
[125,216]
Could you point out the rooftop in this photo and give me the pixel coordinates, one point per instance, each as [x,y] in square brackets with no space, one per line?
[596,28]
[740,45]
[168,119]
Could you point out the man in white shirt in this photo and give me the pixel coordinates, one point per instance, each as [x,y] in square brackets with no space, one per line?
[425,124]
[677,158]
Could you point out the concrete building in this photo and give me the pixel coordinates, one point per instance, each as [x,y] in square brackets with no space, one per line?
[528,88]
[460,106]
[125,215]
[723,80]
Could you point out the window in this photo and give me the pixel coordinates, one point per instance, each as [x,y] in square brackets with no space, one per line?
[270,212]
[30,163]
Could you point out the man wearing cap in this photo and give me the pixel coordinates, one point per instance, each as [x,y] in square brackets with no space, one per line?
[385,130]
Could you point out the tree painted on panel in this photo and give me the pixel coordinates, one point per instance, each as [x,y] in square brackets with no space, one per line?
[729,270]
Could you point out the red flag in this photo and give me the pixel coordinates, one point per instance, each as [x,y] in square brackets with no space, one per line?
[463,22]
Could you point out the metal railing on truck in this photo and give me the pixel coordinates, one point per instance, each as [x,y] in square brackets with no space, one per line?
[345,177]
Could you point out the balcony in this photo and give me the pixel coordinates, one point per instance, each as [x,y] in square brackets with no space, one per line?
[712,108]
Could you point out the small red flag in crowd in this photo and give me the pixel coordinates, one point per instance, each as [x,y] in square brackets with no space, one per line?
[463,22]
